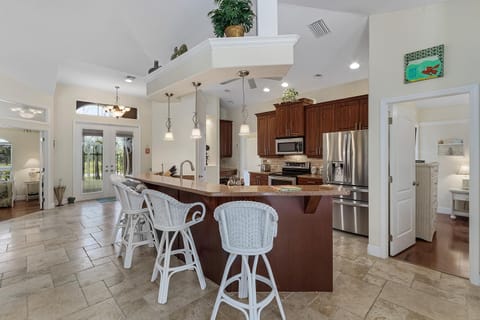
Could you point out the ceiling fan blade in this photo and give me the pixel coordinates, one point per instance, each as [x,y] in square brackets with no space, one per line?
[252,84]
[228,81]
[273,78]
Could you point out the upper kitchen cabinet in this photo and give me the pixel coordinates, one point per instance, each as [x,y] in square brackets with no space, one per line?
[351,113]
[320,118]
[290,118]
[225,139]
[266,133]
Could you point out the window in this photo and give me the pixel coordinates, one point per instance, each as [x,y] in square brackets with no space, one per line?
[5,160]
[100,110]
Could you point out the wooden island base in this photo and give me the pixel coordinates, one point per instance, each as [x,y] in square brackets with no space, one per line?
[302,254]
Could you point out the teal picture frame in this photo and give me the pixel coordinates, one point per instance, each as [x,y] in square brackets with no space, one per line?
[424,64]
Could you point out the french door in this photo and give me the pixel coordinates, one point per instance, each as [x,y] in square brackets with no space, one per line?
[100,151]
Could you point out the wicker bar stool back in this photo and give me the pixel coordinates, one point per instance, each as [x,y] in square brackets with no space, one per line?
[247,229]
[172,218]
[139,229]
[121,220]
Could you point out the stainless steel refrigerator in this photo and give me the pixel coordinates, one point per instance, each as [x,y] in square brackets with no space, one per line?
[345,162]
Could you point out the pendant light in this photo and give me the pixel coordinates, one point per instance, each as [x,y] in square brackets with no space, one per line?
[196,133]
[117,110]
[244,127]
[168,123]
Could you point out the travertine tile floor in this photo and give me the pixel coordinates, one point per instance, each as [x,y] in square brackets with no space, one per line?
[57,264]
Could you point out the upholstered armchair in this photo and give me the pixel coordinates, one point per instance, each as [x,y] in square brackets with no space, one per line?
[6,194]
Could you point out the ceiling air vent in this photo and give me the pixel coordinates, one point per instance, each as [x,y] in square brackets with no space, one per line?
[319,28]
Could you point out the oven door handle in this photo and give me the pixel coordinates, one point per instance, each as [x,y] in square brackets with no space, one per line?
[351,203]
[355,189]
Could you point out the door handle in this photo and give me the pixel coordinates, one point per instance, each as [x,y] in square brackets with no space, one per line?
[415,184]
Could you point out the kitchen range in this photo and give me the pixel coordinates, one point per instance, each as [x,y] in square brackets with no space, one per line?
[345,156]
[290,171]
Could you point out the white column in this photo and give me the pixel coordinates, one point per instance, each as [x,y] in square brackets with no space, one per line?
[267,18]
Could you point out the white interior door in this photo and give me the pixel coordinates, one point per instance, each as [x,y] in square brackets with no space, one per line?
[402,172]
[101,151]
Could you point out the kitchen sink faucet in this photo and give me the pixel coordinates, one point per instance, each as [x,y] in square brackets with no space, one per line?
[181,167]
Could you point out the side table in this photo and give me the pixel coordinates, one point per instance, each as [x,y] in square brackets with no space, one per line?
[31,189]
[459,196]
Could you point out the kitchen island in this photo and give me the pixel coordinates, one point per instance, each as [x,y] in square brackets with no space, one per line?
[301,258]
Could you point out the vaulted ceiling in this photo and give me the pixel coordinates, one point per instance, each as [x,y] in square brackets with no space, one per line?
[97,43]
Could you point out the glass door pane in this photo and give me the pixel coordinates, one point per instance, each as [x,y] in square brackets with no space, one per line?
[124,153]
[92,160]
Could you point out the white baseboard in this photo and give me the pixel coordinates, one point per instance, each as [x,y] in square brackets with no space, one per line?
[377,251]
[444,210]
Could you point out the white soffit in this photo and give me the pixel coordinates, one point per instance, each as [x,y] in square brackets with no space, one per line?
[219,59]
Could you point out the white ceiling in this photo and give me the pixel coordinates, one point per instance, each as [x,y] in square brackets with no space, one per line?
[97,43]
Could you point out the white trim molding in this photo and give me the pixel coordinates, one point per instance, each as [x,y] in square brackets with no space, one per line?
[474,230]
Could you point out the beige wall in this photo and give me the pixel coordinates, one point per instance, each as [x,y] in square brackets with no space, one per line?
[394,34]
[65,116]
[25,147]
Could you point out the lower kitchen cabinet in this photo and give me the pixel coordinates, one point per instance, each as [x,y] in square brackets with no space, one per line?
[258,179]
[309,181]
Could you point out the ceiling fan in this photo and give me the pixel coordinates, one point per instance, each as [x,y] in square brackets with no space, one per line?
[251,82]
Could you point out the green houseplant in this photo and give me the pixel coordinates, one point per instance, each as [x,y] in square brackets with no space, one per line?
[289,95]
[232,18]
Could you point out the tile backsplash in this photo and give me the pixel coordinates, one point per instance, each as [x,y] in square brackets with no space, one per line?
[277,163]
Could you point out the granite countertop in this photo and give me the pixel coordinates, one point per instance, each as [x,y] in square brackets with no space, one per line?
[219,190]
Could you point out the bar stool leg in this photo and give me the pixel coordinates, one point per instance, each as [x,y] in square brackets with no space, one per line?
[243,284]
[221,289]
[159,257]
[197,264]
[129,247]
[165,272]
[274,286]
[186,246]
[252,296]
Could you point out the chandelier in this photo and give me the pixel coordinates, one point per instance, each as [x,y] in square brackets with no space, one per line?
[27,112]
[117,110]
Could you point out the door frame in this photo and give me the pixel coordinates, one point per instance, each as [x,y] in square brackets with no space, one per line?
[474,217]
[77,192]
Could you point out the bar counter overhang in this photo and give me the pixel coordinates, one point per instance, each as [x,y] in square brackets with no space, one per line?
[302,254]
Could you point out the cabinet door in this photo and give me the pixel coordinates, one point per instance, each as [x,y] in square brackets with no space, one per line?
[262,135]
[296,120]
[308,181]
[312,131]
[282,121]
[363,113]
[225,139]
[257,179]
[271,134]
[346,117]
[327,116]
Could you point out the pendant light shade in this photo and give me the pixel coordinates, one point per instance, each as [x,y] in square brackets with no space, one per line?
[196,133]
[168,123]
[244,128]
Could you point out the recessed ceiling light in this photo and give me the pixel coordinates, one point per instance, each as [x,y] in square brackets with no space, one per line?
[266,89]
[354,66]
[318,75]
[284,84]
[129,79]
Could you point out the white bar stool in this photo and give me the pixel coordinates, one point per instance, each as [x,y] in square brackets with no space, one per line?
[170,216]
[121,220]
[138,229]
[247,229]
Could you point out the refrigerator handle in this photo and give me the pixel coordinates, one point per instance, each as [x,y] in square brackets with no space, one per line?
[327,175]
[348,158]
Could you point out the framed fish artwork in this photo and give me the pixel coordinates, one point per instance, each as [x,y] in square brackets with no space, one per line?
[424,64]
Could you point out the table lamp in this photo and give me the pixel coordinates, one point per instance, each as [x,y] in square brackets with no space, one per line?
[464,171]
[34,168]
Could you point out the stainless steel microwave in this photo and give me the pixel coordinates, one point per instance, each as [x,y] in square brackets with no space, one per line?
[289,146]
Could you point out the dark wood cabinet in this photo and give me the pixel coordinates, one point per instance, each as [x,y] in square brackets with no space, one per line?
[332,116]
[258,179]
[225,139]
[266,133]
[319,119]
[290,118]
[309,181]
[351,113]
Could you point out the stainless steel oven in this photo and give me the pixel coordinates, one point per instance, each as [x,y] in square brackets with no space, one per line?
[274,180]
[289,145]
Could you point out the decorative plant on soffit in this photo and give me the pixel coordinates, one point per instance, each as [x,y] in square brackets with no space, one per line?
[232,13]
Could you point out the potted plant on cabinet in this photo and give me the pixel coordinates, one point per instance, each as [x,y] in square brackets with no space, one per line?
[232,18]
